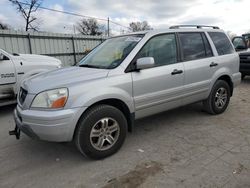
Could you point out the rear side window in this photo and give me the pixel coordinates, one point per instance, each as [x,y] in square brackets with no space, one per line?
[194,46]
[221,42]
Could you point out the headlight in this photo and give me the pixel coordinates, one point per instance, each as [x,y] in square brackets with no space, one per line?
[51,99]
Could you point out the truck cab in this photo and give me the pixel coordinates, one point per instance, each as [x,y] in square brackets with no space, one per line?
[17,67]
[242,46]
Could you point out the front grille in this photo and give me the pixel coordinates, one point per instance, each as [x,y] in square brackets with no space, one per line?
[22,95]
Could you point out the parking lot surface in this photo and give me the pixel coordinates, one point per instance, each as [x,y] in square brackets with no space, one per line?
[184,147]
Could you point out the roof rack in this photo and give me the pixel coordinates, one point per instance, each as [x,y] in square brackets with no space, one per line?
[197,26]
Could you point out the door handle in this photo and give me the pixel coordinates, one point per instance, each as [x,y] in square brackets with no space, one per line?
[213,64]
[175,71]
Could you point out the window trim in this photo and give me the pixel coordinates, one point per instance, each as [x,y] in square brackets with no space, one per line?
[204,37]
[131,68]
[181,50]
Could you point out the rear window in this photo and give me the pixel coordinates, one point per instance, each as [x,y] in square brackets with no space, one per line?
[221,42]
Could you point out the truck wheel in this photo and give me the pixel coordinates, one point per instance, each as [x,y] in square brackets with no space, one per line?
[218,99]
[101,132]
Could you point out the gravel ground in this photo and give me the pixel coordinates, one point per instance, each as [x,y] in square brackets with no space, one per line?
[184,147]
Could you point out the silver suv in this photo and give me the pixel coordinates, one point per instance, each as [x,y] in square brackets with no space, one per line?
[125,78]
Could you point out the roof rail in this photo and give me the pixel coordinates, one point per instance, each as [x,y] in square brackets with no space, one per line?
[197,26]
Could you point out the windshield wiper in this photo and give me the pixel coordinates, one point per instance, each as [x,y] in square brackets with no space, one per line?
[90,66]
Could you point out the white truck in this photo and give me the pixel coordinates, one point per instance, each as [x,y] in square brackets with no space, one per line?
[14,68]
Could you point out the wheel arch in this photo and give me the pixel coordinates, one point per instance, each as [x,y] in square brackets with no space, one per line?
[227,79]
[224,73]
[117,103]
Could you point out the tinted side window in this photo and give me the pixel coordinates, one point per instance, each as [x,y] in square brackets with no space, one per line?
[192,46]
[221,42]
[162,48]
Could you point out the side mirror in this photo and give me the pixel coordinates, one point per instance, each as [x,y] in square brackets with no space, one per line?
[239,43]
[145,62]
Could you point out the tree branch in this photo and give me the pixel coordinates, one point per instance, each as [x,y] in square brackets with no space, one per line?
[26,9]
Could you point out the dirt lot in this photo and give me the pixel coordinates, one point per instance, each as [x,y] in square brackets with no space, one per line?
[180,148]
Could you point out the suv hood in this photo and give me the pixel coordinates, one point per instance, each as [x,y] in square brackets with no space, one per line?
[64,77]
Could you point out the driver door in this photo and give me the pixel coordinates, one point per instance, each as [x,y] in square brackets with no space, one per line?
[7,70]
[158,88]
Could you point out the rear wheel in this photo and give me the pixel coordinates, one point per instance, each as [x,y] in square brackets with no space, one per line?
[101,131]
[243,76]
[218,99]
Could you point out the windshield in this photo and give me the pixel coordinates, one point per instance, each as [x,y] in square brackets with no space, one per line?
[111,53]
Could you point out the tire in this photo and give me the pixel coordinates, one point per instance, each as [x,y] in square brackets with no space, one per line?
[218,99]
[243,76]
[95,129]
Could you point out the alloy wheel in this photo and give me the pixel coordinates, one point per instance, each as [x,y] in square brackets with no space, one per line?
[221,97]
[104,134]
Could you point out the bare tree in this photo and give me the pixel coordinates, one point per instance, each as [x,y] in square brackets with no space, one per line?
[90,27]
[27,9]
[140,26]
[4,26]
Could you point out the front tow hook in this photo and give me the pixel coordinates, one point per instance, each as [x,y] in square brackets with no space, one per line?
[15,132]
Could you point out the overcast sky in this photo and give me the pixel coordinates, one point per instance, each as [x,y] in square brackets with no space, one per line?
[230,15]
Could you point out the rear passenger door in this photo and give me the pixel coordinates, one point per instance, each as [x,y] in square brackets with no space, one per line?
[199,64]
[227,57]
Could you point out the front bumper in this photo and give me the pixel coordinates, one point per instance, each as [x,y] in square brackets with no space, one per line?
[56,125]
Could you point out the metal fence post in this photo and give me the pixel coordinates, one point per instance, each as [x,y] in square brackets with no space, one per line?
[74,50]
[30,47]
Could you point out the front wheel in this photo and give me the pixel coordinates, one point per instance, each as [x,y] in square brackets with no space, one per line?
[218,99]
[101,131]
